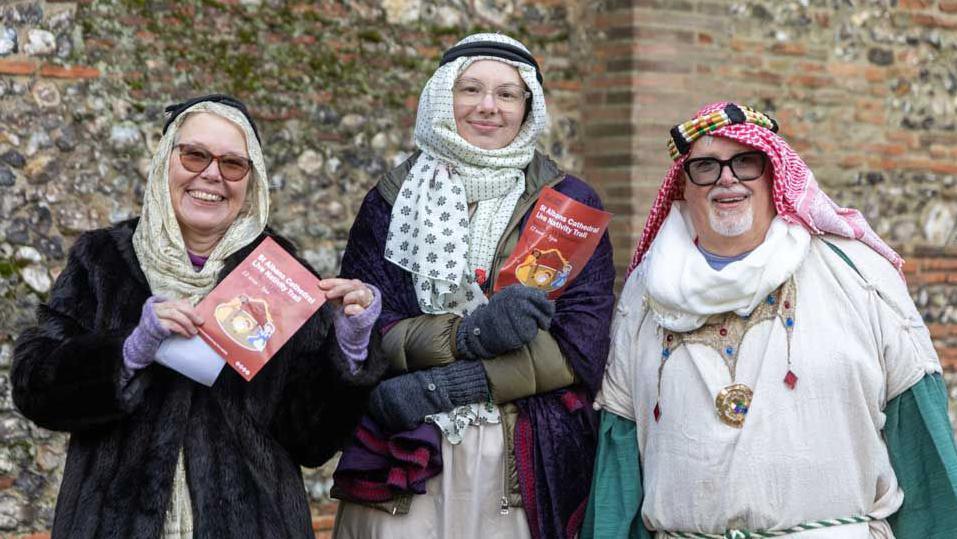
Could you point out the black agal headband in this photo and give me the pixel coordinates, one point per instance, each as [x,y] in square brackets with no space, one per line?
[492,48]
[178,108]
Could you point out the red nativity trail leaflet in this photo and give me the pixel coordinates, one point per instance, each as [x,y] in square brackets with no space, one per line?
[559,238]
[258,307]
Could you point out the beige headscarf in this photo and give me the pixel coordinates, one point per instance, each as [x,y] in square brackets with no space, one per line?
[158,241]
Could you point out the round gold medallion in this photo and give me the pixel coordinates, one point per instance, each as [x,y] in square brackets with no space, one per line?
[732,404]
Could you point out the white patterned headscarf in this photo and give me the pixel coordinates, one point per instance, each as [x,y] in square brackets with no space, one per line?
[431,235]
[158,241]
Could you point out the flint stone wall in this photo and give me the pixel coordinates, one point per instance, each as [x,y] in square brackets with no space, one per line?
[865,91]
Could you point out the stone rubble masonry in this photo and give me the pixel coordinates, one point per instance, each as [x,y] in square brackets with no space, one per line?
[333,85]
[865,93]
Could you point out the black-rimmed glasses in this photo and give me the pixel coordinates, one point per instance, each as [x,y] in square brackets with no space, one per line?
[745,166]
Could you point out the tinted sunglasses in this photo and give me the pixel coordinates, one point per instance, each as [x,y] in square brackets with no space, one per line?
[196,159]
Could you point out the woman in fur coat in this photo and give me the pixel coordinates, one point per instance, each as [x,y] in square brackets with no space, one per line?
[152,453]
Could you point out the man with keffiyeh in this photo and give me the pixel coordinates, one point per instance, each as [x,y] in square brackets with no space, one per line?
[769,374]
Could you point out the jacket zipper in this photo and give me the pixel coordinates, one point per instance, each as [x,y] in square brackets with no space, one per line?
[503,508]
[504,505]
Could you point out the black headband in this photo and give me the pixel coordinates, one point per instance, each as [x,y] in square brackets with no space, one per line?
[492,48]
[178,108]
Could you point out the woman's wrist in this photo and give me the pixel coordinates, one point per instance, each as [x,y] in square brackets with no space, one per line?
[140,347]
[353,332]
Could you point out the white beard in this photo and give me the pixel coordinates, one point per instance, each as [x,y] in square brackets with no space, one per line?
[730,224]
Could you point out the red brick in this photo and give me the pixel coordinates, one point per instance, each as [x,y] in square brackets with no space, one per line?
[662,66]
[932,21]
[607,20]
[851,161]
[940,331]
[69,72]
[947,6]
[18,67]
[742,45]
[132,21]
[811,81]
[767,77]
[939,263]
[664,34]
[876,74]
[789,49]
[933,278]
[544,30]
[925,164]
[323,522]
[304,39]
[910,139]
[914,4]
[846,70]
[885,149]
[811,67]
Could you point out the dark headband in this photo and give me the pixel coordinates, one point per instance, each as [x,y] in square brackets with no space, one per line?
[178,108]
[492,48]
[684,135]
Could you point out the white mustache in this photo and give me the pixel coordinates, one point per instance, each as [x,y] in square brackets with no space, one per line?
[724,191]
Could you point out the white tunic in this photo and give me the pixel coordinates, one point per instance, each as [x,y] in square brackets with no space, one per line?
[810,453]
[463,502]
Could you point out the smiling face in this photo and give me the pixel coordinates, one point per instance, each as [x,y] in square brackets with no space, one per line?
[731,217]
[205,203]
[488,124]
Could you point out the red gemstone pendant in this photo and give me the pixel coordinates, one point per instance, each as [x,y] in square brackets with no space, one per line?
[790,379]
[657,412]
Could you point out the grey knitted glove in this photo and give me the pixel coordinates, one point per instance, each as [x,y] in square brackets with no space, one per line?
[402,402]
[510,320]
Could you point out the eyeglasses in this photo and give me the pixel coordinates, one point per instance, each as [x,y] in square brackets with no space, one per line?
[507,96]
[745,166]
[196,159]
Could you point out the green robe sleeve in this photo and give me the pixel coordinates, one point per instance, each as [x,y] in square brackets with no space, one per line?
[614,506]
[920,442]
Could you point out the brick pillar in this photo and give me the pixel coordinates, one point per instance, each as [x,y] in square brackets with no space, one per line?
[609,121]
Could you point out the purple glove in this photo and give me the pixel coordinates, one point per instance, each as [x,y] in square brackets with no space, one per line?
[353,332]
[140,347]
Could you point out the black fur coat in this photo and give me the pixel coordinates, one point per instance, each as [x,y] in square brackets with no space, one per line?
[242,442]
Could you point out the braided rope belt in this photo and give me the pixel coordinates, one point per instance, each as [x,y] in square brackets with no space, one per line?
[747,534]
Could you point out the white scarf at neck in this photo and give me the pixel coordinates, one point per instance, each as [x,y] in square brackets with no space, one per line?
[683,290]
[431,234]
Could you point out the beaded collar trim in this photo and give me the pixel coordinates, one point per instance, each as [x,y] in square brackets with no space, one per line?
[684,135]
[724,333]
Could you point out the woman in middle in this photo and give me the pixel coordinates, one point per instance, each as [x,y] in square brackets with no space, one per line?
[503,381]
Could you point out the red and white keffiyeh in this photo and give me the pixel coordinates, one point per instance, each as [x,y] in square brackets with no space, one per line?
[797,196]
